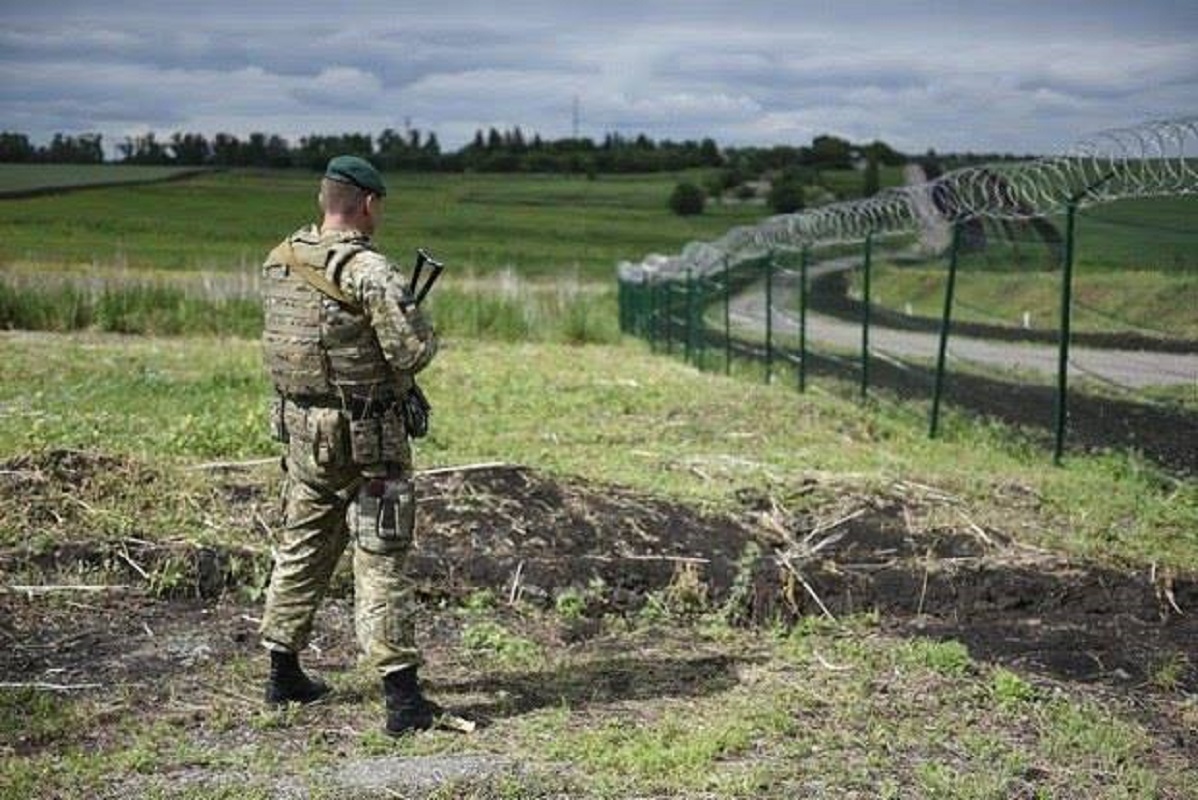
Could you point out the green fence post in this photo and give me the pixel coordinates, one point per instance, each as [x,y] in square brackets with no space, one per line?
[769,317]
[867,269]
[700,327]
[727,318]
[945,322]
[621,302]
[688,349]
[667,291]
[651,315]
[1062,403]
[804,260]
[643,309]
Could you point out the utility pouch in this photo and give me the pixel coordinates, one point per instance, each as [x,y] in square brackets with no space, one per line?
[328,436]
[278,427]
[383,516]
[365,442]
[394,436]
[416,410]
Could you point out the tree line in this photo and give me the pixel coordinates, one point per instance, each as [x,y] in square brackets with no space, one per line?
[62,149]
[492,150]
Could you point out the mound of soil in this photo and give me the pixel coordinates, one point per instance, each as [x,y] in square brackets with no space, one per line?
[523,535]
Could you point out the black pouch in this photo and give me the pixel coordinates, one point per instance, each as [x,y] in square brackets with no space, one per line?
[416,410]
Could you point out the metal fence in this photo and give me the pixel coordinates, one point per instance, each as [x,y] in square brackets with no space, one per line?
[801,292]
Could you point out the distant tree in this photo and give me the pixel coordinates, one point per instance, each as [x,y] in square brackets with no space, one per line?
[143,150]
[786,193]
[831,152]
[15,148]
[191,149]
[884,154]
[278,152]
[254,151]
[85,148]
[871,181]
[687,199]
[709,153]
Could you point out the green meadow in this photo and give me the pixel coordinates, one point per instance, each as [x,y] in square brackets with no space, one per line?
[540,225]
[1135,269]
[134,421]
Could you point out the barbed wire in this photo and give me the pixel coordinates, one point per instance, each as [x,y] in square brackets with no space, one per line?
[1153,159]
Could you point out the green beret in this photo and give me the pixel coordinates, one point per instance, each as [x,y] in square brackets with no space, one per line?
[358,171]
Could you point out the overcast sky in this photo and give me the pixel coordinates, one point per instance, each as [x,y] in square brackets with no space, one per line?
[964,75]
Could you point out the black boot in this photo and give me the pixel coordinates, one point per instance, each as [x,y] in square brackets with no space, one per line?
[407,708]
[289,684]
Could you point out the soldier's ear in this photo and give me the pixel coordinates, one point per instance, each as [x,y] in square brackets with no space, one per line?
[372,203]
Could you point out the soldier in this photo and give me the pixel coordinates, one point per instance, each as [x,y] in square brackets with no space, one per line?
[343,341]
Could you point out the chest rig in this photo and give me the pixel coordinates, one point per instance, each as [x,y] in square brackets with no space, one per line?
[318,343]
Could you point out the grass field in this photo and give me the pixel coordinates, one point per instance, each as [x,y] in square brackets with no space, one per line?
[1136,269]
[570,410]
[673,698]
[540,225]
[25,177]
[671,701]
[1150,302]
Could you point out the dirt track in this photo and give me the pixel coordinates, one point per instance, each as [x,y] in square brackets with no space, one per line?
[1134,369]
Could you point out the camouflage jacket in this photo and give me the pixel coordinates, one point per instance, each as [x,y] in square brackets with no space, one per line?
[346,328]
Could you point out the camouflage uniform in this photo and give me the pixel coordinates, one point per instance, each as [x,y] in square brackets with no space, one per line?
[339,367]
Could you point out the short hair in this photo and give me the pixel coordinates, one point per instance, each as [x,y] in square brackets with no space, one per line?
[340,198]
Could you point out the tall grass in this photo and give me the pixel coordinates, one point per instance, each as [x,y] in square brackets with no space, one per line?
[502,308]
[507,308]
[144,308]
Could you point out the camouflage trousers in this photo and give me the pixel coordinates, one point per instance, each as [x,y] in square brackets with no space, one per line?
[325,498]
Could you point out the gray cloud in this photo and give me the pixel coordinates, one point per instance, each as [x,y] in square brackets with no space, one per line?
[995,75]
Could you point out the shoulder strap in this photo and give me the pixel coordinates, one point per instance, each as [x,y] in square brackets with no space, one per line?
[285,254]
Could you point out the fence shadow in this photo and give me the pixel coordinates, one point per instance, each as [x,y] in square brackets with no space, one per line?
[1162,435]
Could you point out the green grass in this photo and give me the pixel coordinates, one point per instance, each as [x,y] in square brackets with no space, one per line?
[24,177]
[829,707]
[537,224]
[155,308]
[701,710]
[849,183]
[502,307]
[1149,302]
[1136,269]
[610,413]
[1152,234]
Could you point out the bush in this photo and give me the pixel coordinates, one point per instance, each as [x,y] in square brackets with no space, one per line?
[786,195]
[687,200]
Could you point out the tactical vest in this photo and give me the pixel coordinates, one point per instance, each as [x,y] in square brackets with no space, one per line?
[318,343]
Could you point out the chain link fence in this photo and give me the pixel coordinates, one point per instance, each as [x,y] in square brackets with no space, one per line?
[1019,277]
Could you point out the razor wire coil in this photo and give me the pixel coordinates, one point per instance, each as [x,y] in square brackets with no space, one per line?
[1152,159]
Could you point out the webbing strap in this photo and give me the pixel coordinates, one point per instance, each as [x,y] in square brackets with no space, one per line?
[312,276]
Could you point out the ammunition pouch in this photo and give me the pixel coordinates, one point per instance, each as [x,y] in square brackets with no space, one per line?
[378,438]
[382,517]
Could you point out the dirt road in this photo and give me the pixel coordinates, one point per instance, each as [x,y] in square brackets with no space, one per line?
[1129,368]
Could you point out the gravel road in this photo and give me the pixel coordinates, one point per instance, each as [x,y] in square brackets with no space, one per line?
[1130,368]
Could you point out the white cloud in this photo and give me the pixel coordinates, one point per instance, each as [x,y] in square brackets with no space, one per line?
[992,75]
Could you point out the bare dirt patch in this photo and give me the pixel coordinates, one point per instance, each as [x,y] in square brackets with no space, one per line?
[530,539]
